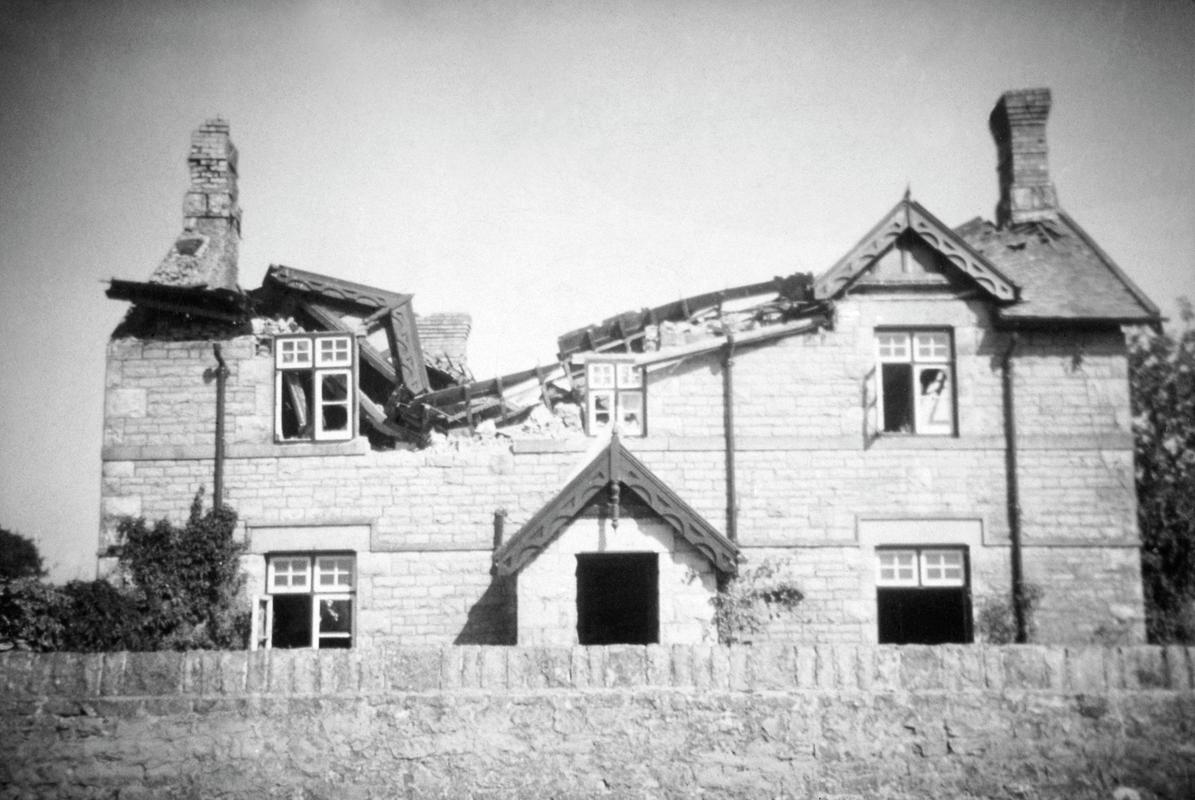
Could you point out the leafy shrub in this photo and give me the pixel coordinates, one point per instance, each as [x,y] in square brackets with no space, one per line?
[104,618]
[997,622]
[745,603]
[18,557]
[179,588]
[187,580]
[31,615]
[1162,380]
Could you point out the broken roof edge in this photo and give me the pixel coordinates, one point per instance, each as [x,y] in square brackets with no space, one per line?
[903,216]
[610,332]
[333,288]
[225,305]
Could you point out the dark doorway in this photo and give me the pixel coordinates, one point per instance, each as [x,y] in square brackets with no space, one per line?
[924,615]
[618,598]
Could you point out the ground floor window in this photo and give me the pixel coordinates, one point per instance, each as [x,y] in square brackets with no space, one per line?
[923,595]
[618,598]
[309,602]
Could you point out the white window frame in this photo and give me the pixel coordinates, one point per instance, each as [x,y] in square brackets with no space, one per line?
[622,385]
[320,356]
[921,567]
[340,567]
[925,350]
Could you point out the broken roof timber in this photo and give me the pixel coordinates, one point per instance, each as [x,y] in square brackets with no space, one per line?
[332,288]
[756,337]
[224,305]
[369,353]
[627,328]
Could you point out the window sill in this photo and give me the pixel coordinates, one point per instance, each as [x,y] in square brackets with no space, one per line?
[899,441]
[358,446]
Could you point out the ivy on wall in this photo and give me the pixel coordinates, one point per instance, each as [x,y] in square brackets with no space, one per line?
[175,588]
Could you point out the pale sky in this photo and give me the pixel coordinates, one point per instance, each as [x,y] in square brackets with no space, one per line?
[540,165]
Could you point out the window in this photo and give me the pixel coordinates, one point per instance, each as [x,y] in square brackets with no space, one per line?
[916,382]
[313,387]
[309,602]
[618,598]
[922,595]
[615,397]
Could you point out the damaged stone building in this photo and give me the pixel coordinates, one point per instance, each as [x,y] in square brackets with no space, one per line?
[940,415]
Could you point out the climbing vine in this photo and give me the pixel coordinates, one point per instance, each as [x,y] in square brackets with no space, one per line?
[745,604]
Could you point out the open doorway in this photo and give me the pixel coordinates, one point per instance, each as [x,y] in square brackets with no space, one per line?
[618,598]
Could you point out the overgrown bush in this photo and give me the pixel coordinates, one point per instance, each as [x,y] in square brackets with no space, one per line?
[178,588]
[997,622]
[1162,379]
[745,603]
[187,580]
[18,557]
[31,615]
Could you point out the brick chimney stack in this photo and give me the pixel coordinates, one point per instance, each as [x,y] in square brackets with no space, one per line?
[205,253]
[445,340]
[1018,124]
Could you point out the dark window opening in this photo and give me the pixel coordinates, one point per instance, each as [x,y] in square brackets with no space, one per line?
[296,421]
[292,621]
[618,598]
[924,616]
[898,404]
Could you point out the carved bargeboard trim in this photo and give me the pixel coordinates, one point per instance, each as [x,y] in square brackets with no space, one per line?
[333,288]
[952,247]
[910,215]
[615,464]
[405,348]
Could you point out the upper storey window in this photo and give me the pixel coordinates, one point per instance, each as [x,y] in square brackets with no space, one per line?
[916,382]
[614,397]
[313,387]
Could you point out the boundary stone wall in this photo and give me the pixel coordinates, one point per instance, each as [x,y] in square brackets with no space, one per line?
[829,721]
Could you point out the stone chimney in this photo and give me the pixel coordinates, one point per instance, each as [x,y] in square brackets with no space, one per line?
[1018,124]
[445,339]
[205,253]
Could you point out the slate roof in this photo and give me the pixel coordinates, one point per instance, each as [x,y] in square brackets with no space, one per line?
[1062,274]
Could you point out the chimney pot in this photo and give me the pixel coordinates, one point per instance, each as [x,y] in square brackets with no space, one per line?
[1018,124]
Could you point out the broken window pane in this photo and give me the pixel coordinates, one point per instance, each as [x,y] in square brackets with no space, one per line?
[630,421]
[295,405]
[601,407]
[915,382]
[310,603]
[312,402]
[935,403]
[616,395]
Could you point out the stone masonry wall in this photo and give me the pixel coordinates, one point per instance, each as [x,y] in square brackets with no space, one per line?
[843,722]
[809,468]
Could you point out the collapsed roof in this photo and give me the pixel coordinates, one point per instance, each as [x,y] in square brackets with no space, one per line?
[1035,265]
